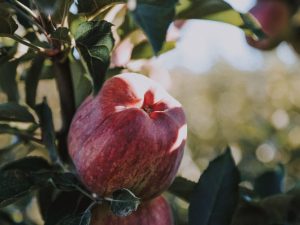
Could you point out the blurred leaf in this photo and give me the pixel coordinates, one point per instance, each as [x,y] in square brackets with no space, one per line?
[250,214]
[79,219]
[7,24]
[32,78]
[81,83]
[14,184]
[28,164]
[8,71]
[124,202]
[57,9]
[293,215]
[66,181]
[7,53]
[15,112]
[71,207]
[182,187]
[45,197]
[127,26]
[144,50]
[154,17]
[270,182]
[95,41]
[218,10]
[91,6]
[215,197]
[48,134]
[61,34]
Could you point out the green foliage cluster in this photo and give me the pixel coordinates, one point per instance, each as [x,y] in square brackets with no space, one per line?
[75,42]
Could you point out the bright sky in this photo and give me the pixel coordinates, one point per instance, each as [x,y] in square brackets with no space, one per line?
[202,43]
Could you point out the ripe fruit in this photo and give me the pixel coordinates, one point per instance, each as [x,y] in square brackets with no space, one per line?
[155,212]
[274,17]
[131,135]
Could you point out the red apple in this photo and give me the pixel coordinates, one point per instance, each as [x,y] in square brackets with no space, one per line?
[274,17]
[155,212]
[131,135]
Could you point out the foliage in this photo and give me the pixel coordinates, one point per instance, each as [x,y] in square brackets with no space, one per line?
[80,45]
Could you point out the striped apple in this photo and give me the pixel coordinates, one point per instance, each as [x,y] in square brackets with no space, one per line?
[131,135]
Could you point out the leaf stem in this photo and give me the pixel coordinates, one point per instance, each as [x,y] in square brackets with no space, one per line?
[25,8]
[34,20]
[28,44]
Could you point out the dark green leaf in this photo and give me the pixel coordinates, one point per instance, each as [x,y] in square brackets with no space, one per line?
[8,84]
[45,198]
[66,181]
[182,187]
[94,40]
[215,197]
[57,9]
[14,184]
[124,202]
[28,164]
[218,10]
[91,6]
[48,134]
[15,112]
[81,82]
[269,183]
[32,78]
[7,53]
[71,205]
[154,17]
[250,214]
[79,219]
[7,24]
[61,34]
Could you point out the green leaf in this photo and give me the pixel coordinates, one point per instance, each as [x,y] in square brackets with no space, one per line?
[66,181]
[7,24]
[8,84]
[32,78]
[14,184]
[92,6]
[94,40]
[72,207]
[7,53]
[250,213]
[28,164]
[154,17]
[15,112]
[81,82]
[144,50]
[182,187]
[218,10]
[124,202]
[80,219]
[48,134]
[61,34]
[56,9]
[215,197]
[270,182]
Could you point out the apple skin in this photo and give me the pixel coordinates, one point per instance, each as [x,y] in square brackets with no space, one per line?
[274,17]
[154,212]
[131,135]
